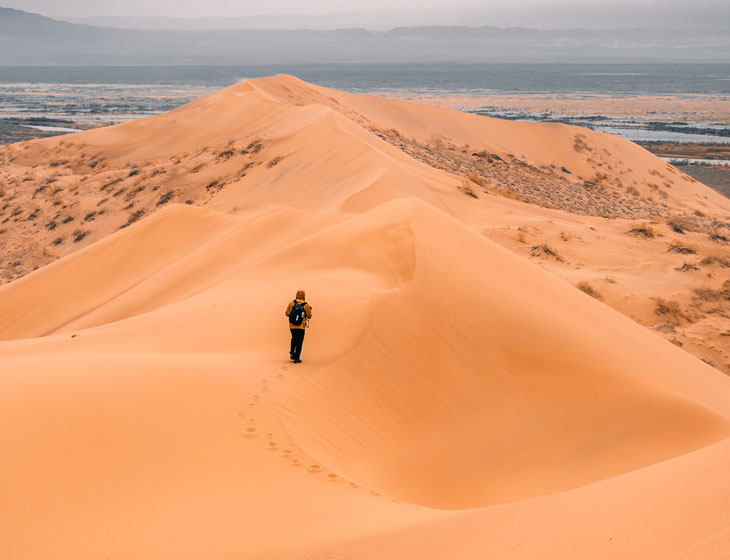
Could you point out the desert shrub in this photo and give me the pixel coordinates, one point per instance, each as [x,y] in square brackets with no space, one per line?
[213,184]
[67,220]
[273,161]
[718,260]
[253,148]
[90,217]
[466,188]
[686,267]
[678,224]
[134,192]
[671,310]
[585,287]
[79,235]
[643,230]
[110,184]
[57,241]
[681,248]
[544,250]
[165,198]
[708,294]
[226,154]
[580,145]
[718,237]
[134,217]
[477,179]
[197,168]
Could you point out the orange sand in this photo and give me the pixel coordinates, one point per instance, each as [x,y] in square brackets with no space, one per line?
[455,400]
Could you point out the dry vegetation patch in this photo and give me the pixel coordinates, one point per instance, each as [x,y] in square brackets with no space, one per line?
[587,288]
[545,250]
[643,230]
[681,248]
[671,311]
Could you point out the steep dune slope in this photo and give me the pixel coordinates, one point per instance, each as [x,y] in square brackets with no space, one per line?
[148,410]
[492,381]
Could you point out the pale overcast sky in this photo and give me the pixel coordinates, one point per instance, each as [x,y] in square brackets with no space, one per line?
[535,13]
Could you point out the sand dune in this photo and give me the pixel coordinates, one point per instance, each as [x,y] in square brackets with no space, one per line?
[456,400]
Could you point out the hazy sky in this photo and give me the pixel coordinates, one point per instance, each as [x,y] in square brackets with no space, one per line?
[536,13]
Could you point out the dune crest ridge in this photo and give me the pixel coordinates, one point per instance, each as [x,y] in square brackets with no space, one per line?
[458,398]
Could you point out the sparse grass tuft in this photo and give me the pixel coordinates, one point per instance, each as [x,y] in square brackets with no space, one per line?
[643,230]
[585,287]
[253,148]
[165,198]
[580,145]
[671,310]
[79,235]
[686,267]
[134,217]
[681,248]
[521,234]
[476,178]
[678,224]
[718,237]
[544,250]
[466,188]
[723,261]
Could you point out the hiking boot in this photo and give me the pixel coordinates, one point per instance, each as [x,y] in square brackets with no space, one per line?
[297,361]
[291,355]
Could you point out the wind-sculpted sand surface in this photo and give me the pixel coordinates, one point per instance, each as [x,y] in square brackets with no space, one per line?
[456,400]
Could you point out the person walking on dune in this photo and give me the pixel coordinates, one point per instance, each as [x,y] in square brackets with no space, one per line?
[299,313]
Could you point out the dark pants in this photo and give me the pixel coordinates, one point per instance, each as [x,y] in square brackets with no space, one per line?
[297,338]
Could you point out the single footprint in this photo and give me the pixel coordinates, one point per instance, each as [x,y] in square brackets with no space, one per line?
[296,462]
[256,397]
[354,485]
[250,433]
[280,376]
[251,421]
[273,446]
[284,368]
[269,435]
[332,477]
[241,414]
[314,469]
[285,453]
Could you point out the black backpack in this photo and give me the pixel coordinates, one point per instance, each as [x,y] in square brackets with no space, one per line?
[297,313]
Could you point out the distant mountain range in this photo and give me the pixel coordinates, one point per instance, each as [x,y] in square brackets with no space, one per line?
[33,40]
